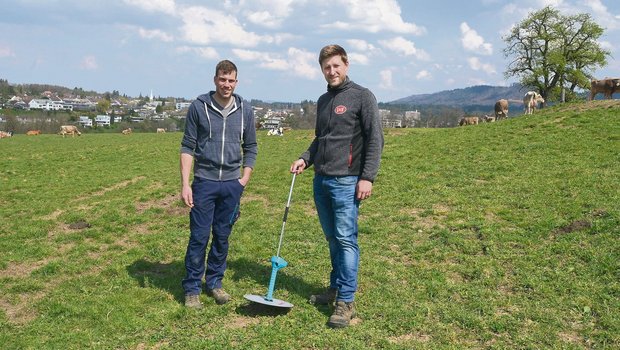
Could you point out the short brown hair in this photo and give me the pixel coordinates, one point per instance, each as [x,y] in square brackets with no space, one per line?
[225,67]
[333,50]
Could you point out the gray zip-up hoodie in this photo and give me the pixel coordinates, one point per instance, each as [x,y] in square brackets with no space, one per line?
[221,145]
[348,134]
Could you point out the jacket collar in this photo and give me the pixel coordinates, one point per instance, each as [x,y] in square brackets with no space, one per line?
[345,85]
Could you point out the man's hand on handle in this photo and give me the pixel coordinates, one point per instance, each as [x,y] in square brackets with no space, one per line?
[298,166]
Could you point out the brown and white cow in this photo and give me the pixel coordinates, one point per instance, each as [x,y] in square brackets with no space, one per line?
[501,109]
[605,86]
[69,129]
[161,130]
[531,101]
[33,132]
[126,131]
[468,121]
[4,134]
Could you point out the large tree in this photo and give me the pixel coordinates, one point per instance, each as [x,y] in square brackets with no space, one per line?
[552,51]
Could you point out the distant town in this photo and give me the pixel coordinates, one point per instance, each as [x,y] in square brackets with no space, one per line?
[46,107]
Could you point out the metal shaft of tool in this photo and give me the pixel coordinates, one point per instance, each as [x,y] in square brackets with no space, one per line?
[288,205]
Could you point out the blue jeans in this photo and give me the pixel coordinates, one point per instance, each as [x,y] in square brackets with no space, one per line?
[215,210]
[334,197]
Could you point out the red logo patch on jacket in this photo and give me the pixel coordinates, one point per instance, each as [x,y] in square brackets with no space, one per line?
[340,109]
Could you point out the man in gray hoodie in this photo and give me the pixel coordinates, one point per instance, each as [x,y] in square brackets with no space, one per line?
[346,152]
[220,142]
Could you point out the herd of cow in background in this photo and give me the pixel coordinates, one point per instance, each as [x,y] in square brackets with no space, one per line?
[532,99]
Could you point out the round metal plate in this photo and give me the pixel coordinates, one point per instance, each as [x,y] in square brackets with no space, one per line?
[261,300]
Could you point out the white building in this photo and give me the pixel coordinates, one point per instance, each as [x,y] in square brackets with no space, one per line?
[85,121]
[47,105]
[102,120]
[182,105]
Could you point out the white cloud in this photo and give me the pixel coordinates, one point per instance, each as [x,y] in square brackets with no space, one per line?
[602,15]
[299,62]
[386,79]
[205,52]
[360,45]
[475,64]
[165,6]
[358,58]
[6,51]
[473,42]
[89,63]
[606,45]
[155,34]
[206,26]
[404,47]
[267,13]
[373,16]
[423,75]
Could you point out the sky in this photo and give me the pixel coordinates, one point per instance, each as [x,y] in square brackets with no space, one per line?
[396,48]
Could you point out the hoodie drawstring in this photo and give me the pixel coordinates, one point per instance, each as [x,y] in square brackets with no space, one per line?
[208,118]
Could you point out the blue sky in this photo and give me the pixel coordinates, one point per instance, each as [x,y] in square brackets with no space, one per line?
[396,48]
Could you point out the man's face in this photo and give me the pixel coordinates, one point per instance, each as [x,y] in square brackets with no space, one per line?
[334,70]
[225,84]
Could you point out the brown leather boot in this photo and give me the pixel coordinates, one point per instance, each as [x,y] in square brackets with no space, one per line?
[343,314]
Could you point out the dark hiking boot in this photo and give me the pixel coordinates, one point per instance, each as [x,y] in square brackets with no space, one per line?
[342,316]
[193,301]
[220,296]
[324,299]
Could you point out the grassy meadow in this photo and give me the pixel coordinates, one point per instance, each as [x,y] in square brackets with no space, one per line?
[500,235]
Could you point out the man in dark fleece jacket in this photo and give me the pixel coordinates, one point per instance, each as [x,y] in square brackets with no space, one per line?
[346,153]
[219,140]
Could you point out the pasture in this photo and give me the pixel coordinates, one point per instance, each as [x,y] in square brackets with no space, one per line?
[497,235]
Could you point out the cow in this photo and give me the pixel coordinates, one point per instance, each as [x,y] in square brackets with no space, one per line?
[69,129]
[468,121]
[126,131]
[4,134]
[501,109]
[275,132]
[33,132]
[605,86]
[161,130]
[488,118]
[531,101]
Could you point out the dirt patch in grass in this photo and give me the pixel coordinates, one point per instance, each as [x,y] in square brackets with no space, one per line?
[433,220]
[171,204]
[246,198]
[240,322]
[577,225]
[53,216]
[114,187]
[15,270]
[410,338]
[21,312]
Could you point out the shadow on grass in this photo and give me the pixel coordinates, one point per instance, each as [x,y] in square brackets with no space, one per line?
[255,309]
[166,277]
[245,268]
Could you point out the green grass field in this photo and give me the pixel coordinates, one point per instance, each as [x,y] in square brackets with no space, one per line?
[500,235]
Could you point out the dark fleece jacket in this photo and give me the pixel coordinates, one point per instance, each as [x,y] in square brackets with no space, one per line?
[348,134]
[220,145]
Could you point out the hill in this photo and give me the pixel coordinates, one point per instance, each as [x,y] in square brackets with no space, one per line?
[474,96]
[499,235]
